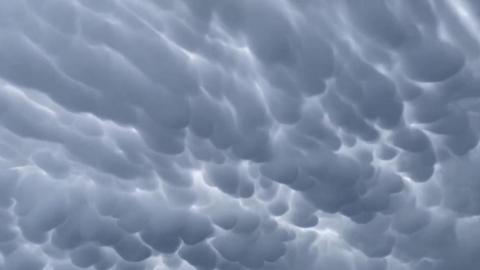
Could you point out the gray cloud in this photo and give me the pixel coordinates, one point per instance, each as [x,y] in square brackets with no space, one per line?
[237,135]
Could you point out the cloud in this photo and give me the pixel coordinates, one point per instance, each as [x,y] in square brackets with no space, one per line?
[239,135]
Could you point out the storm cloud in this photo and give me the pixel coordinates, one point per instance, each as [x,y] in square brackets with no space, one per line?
[239,134]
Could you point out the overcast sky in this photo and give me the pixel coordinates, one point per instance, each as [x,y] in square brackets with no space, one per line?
[239,134]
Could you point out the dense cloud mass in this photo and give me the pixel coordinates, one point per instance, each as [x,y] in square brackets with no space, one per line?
[239,134]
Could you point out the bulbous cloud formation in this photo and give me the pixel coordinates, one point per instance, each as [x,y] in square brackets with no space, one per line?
[239,134]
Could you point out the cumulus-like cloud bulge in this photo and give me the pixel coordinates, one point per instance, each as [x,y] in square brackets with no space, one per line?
[239,134]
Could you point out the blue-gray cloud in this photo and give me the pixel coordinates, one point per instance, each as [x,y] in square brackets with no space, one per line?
[230,135]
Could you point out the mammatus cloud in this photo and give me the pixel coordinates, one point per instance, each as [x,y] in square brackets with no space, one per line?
[227,134]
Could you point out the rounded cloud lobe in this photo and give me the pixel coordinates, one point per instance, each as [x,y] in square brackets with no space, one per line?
[237,135]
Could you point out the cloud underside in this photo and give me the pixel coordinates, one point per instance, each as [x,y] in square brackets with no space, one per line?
[230,135]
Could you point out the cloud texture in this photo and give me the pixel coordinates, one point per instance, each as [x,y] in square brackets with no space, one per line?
[239,134]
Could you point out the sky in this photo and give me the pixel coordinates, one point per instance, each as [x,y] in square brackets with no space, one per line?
[239,134]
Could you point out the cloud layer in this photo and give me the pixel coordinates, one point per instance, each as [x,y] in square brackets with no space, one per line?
[230,135]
